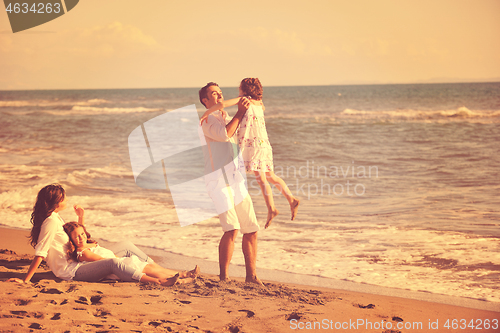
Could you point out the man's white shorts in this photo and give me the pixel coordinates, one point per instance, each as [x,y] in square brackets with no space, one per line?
[241,217]
[234,205]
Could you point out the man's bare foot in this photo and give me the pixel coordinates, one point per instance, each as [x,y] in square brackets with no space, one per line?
[270,216]
[170,281]
[224,278]
[254,279]
[294,207]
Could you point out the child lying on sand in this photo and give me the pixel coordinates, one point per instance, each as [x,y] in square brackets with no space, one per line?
[83,249]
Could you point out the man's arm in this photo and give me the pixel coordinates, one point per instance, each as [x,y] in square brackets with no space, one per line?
[243,105]
[219,106]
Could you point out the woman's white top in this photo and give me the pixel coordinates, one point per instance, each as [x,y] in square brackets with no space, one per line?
[53,246]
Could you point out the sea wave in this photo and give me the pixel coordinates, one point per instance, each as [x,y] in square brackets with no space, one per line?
[108,171]
[52,103]
[353,115]
[100,110]
[460,113]
[15,103]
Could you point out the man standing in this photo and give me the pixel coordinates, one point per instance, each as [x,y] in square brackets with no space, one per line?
[239,215]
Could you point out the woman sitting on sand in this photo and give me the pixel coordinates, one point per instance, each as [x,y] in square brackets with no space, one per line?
[82,248]
[51,243]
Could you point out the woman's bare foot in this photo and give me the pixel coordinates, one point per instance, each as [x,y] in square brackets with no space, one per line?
[294,207]
[170,281]
[270,216]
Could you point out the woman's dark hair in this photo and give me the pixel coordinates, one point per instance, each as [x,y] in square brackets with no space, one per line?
[252,87]
[47,201]
[69,228]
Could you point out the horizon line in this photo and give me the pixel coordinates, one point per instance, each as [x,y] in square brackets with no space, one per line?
[269,86]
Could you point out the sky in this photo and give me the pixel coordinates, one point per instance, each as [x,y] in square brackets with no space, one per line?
[103,44]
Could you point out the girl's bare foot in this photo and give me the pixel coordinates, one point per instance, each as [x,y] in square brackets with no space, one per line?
[270,216]
[294,207]
[193,273]
[186,280]
[170,281]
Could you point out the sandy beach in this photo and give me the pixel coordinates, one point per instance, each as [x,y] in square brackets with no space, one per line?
[207,305]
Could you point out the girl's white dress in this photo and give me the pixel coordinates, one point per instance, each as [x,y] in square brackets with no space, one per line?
[253,141]
[132,261]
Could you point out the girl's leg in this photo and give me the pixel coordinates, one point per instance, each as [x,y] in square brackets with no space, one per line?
[268,196]
[158,274]
[97,270]
[281,185]
[155,270]
[164,282]
[128,249]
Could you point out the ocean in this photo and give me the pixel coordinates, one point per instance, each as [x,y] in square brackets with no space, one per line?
[399,184]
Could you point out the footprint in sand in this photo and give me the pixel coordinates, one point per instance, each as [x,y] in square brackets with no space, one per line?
[22,302]
[96,325]
[56,316]
[51,291]
[234,329]
[293,315]
[20,314]
[369,306]
[82,300]
[72,288]
[24,314]
[96,300]
[35,326]
[101,313]
[249,313]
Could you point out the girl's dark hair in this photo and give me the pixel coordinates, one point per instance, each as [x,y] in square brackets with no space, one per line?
[47,201]
[252,87]
[69,228]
